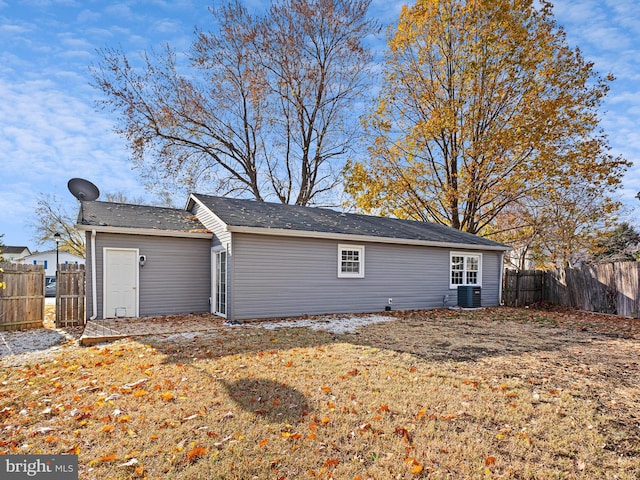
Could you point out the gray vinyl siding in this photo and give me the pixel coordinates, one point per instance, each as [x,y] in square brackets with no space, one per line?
[285,276]
[175,278]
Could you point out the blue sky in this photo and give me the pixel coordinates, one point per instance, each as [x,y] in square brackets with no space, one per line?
[50,130]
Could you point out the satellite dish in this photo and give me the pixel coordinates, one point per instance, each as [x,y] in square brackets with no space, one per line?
[83,189]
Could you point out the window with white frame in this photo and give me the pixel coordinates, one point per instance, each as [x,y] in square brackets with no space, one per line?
[351,261]
[465,269]
[221,282]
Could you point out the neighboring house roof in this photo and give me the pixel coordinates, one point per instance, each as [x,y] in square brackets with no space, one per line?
[45,253]
[139,219]
[251,216]
[9,250]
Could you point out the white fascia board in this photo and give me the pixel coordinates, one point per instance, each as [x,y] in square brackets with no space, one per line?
[359,238]
[143,231]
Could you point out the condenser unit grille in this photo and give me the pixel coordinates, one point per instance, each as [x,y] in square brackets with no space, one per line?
[469,296]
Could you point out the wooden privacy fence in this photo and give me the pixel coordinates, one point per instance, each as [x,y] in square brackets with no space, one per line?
[607,288]
[22,301]
[70,293]
[523,287]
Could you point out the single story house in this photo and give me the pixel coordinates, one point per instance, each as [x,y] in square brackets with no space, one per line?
[243,259]
[48,260]
[12,253]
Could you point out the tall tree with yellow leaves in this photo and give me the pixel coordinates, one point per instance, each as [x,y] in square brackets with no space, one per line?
[483,105]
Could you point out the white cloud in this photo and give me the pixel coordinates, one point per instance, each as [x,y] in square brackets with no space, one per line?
[49,137]
[88,16]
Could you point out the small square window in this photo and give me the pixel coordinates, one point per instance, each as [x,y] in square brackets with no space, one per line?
[350,261]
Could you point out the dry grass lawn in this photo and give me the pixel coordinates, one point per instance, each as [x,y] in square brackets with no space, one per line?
[494,393]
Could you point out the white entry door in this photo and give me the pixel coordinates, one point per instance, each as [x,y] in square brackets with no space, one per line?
[120,282]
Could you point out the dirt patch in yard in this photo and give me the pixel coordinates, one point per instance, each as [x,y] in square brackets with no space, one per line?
[594,357]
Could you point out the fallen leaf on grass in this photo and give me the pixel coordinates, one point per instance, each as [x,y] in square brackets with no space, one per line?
[167,396]
[332,462]
[404,433]
[196,453]
[130,463]
[473,383]
[416,467]
[134,385]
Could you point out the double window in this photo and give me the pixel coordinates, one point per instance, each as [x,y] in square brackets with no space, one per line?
[351,261]
[465,269]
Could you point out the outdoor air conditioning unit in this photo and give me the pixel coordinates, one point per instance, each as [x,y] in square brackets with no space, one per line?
[469,296]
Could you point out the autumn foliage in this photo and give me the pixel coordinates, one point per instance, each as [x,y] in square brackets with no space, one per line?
[486,110]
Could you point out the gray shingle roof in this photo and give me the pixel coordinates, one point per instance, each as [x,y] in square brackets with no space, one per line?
[9,249]
[123,215]
[250,213]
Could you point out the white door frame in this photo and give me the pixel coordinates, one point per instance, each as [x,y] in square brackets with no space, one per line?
[105,251]
[214,280]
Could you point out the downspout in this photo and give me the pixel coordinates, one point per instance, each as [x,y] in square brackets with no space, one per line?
[501,278]
[94,297]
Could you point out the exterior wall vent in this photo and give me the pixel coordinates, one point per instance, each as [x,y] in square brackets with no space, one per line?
[469,296]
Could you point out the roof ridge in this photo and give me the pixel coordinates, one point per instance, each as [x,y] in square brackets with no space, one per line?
[127,204]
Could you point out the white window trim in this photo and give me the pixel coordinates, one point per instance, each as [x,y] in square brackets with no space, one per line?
[464,270]
[358,248]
